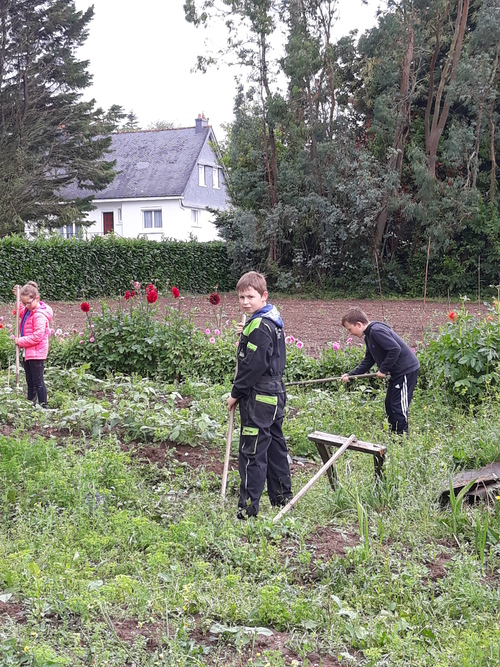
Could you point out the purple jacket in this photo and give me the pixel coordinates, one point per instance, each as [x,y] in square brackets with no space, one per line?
[35,338]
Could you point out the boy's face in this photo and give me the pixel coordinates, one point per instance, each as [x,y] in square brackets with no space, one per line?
[357,329]
[251,301]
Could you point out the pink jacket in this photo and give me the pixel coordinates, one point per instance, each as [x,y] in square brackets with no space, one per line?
[36,332]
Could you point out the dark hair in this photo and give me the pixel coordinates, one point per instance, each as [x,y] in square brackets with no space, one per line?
[252,280]
[355,315]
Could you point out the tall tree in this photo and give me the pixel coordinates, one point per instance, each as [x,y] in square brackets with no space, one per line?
[48,136]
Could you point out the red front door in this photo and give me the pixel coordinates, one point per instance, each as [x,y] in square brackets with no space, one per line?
[108,224]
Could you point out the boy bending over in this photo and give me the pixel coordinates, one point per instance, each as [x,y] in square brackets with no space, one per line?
[260,392]
[392,355]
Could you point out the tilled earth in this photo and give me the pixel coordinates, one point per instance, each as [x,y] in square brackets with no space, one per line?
[313,321]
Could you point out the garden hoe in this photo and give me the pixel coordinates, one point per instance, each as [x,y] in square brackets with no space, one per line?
[230,432]
[339,377]
[18,299]
[314,479]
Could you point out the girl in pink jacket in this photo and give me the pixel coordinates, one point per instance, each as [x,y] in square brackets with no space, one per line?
[34,335]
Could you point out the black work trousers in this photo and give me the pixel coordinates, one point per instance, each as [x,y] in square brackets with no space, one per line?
[263,454]
[33,369]
[397,401]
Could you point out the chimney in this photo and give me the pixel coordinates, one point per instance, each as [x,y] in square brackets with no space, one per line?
[201,123]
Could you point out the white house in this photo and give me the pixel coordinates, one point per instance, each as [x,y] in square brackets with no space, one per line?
[165,180]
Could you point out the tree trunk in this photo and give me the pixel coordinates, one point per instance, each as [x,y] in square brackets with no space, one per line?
[400,134]
[434,130]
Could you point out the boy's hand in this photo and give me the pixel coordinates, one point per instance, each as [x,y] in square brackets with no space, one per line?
[381,375]
[239,328]
[345,377]
[231,402]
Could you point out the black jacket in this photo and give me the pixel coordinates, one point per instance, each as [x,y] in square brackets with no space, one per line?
[386,349]
[261,355]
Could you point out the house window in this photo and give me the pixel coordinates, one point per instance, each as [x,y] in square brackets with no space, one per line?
[119,216]
[195,217]
[152,219]
[201,176]
[216,177]
[70,231]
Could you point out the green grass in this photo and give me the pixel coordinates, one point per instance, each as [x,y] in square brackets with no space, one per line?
[108,560]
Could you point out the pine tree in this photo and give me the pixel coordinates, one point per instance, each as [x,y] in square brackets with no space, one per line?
[49,137]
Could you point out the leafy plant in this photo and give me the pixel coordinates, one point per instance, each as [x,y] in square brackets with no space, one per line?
[465,358]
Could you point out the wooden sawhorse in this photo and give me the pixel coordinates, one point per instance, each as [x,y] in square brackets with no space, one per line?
[326,440]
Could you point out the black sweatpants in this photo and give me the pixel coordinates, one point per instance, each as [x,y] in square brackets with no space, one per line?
[397,401]
[33,369]
[263,454]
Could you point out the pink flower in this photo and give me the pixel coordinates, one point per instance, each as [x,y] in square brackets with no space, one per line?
[92,339]
[59,332]
[212,339]
[12,337]
[137,285]
[413,350]
[217,332]
[52,332]
[66,334]
[207,331]
[81,333]
[1,319]
[75,330]
[292,339]
[336,346]
[288,340]
[81,342]
[300,344]
[349,340]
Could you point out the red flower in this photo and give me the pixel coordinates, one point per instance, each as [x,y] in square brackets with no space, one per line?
[127,295]
[150,288]
[1,326]
[133,292]
[214,298]
[175,292]
[85,306]
[452,316]
[152,295]
[14,311]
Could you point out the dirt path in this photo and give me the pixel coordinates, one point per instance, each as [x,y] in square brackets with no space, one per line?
[313,321]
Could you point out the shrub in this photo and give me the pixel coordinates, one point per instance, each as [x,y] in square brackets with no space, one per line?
[465,358]
[68,269]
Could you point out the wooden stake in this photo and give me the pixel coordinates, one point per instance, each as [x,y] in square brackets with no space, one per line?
[18,301]
[314,479]
[425,285]
[380,285]
[230,433]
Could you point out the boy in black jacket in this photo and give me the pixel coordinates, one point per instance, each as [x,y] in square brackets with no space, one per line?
[392,355]
[259,389]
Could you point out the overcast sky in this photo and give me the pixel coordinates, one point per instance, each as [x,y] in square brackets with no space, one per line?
[141,55]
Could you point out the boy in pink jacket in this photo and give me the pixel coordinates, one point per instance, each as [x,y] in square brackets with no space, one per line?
[34,335]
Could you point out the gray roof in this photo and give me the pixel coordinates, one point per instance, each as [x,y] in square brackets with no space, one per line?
[153,163]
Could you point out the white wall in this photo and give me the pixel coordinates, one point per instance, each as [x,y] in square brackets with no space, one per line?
[177,221]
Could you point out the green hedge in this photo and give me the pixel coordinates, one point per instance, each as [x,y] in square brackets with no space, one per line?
[70,269]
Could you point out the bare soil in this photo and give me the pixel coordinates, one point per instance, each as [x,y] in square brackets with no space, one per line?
[315,322]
